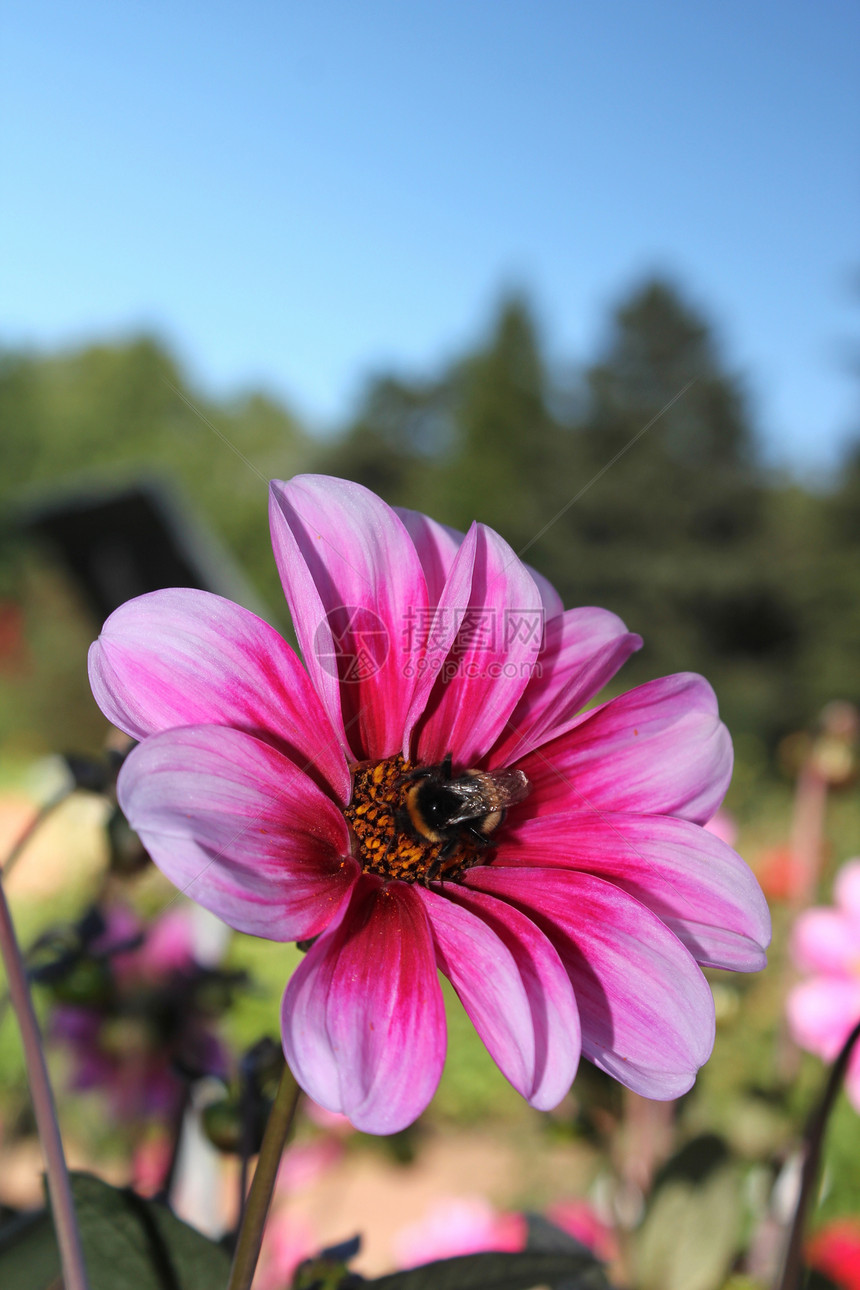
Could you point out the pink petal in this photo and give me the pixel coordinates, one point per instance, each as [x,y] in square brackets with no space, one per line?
[513,986]
[437,546]
[443,629]
[700,888]
[646,1011]
[660,749]
[182,658]
[491,659]
[826,940]
[584,649]
[363,1020]
[358,597]
[822,1013]
[550,599]
[231,821]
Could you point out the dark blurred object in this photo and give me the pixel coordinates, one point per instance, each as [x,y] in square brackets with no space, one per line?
[329,1268]
[98,775]
[235,1123]
[127,853]
[91,774]
[54,959]
[121,543]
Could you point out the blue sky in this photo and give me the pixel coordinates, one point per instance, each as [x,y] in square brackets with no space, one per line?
[299,194]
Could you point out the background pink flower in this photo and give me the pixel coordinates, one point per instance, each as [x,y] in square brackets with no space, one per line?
[458,1225]
[304,1162]
[276,795]
[823,1010]
[724,826]
[835,1251]
[581,1220]
[288,1240]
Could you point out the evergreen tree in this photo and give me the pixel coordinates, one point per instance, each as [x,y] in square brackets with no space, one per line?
[667,535]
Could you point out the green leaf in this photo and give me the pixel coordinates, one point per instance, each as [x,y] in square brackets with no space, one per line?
[498,1272]
[29,1259]
[324,1274]
[135,1244]
[691,1234]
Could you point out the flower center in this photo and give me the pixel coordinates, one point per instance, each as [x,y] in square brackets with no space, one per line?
[399,820]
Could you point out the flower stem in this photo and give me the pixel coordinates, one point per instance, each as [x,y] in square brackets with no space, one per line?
[68,1239]
[813,1140]
[278,1128]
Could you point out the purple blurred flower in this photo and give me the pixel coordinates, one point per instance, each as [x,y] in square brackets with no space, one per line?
[143,1032]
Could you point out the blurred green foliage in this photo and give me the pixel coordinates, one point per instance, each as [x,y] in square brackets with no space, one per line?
[635,484]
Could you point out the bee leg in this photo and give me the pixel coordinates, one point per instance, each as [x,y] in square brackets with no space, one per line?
[475,835]
[435,869]
[432,872]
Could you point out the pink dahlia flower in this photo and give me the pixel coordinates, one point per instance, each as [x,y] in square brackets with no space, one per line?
[310,803]
[824,1009]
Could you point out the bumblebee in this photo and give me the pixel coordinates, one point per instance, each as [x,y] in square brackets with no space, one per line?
[445,809]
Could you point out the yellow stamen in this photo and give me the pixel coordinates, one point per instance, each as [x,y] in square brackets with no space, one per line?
[385,843]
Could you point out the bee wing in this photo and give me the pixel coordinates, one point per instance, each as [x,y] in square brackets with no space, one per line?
[472,797]
[483,793]
[508,787]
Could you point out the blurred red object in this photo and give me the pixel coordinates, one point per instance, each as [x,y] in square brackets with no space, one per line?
[12,642]
[151,1162]
[775,872]
[580,1219]
[835,1251]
